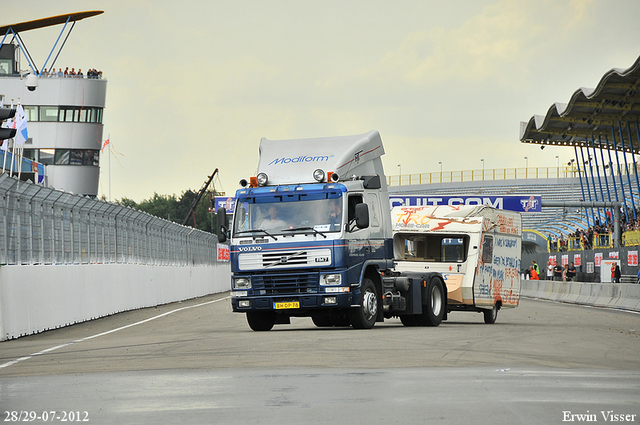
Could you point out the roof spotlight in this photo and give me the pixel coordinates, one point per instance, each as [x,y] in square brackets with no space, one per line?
[262,179]
[318,175]
[333,177]
[244,182]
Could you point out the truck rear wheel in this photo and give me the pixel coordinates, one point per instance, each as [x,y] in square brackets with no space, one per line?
[490,316]
[364,316]
[433,312]
[261,321]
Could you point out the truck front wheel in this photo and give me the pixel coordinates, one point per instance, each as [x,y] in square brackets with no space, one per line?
[261,321]
[364,316]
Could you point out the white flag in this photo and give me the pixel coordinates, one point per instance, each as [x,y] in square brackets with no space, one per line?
[21,126]
[5,143]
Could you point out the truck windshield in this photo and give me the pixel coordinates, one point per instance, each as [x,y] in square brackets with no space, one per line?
[273,216]
[439,248]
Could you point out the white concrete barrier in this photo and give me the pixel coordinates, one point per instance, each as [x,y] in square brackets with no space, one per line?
[42,297]
[631,298]
[625,296]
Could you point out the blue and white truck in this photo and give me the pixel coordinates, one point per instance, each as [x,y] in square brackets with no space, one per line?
[311,236]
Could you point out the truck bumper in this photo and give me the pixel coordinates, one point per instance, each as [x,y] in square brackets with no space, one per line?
[299,305]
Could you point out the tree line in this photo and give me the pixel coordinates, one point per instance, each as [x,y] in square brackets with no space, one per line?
[172,208]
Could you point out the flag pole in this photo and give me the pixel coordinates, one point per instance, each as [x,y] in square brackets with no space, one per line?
[109,138]
[13,156]
[4,155]
[6,151]
[13,145]
[20,162]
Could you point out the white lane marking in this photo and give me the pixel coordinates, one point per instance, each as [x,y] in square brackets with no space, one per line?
[48,350]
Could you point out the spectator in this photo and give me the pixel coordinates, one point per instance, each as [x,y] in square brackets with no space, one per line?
[571,272]
[557,272]
[533,273]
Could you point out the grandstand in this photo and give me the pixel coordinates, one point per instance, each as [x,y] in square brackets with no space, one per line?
[603,127]
[567,187]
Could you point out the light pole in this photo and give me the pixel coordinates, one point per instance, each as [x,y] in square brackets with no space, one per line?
[482,160]
[440,162]
[526,167]
[558,158]
[399,175]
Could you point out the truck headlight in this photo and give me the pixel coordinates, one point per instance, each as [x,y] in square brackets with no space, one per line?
[330,279]
[242,283]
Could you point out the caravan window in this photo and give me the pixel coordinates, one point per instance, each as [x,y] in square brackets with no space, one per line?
[436,248]
[487,249]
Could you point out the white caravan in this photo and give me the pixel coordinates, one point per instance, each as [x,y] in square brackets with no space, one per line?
[475,248]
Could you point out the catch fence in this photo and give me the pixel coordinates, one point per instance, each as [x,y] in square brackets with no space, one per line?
[40,225]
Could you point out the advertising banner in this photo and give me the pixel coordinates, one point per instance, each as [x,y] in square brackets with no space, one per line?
[223,252]
[519,203]
[522,203]
[228,202]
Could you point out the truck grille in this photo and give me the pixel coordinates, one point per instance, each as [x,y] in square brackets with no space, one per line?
[286,284]
[284,258]
[274,260]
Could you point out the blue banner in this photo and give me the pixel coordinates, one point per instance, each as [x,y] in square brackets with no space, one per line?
[228,202]
[519,203]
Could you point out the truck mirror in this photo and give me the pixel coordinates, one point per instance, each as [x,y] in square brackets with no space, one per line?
[371,182]
[223,224]
[362,216]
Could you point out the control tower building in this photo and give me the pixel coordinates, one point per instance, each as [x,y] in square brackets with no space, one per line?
[64,113]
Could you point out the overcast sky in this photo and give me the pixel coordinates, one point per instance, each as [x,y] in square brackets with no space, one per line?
[194,85]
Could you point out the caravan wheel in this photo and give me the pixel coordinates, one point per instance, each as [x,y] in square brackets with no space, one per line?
[490,316]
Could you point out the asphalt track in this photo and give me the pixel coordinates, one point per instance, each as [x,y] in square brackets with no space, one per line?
[197,362]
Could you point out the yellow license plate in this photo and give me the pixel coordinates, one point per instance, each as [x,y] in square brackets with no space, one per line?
[282,306]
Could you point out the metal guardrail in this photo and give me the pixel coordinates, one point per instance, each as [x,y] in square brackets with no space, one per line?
[598,241]
[563,171]
[39,225]
[631,237]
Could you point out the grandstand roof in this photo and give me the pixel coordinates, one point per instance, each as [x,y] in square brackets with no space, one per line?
[604,117]
[47,22]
